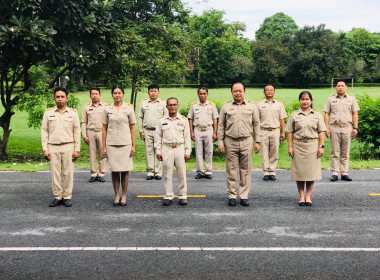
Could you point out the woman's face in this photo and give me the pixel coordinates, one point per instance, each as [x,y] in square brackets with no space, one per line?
[305,101]
[117,95]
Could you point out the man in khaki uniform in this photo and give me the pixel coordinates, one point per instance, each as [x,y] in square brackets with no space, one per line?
[60,135]
[341,113]
[203,125]
[173,147]
[149,111]
[92,134]
[272,115]
[238,118]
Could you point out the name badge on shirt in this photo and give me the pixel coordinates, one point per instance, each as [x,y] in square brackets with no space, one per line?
[165,123]
[90,109]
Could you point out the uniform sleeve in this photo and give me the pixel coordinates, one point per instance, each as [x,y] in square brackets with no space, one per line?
[166,112]
[221,126]
[84,122]
[186,137]
[355,106]
[282,112]
[256,124]
[321,124]
[190,115]
[132,117]
[158,138]
[215,114]
[76,132]
[105,117]
[44,132]
[141,117]
[289,125]
[327,107]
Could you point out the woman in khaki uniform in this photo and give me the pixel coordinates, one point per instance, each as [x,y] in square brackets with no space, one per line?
[305,127]
[119,142]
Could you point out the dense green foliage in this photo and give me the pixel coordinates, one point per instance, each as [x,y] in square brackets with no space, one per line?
[277,25]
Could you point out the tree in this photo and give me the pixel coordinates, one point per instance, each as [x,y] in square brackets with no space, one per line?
[62,33]
[276,26]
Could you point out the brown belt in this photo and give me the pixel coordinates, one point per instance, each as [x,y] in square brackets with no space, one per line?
[239,138]
[173,145]
[150,128]
[269,129]
[305,140]
[95,129]
[61,143]
[342,125]
[203,128]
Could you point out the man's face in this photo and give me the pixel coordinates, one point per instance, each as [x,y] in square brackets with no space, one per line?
[269,92]
[60,99]
[153,93]
[172,106]
[95,96]
[341,88]
[238,93]
[202,94]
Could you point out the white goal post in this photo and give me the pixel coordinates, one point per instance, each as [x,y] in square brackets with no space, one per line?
[343,79]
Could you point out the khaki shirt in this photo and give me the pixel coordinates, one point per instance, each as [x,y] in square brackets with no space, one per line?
[305,126]
[149,112]
[60,128]
[203,115]
[92,117]
[237,121]
[169,131]
[341,109]
[271,113]
[118,131]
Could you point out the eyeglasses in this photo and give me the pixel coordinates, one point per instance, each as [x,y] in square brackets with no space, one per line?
[172,105]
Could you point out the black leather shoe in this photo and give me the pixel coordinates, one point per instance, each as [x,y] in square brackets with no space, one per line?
[150,177]
[272,177]
[334,178]
[101,179]
[93,179]
[199,176]
[123,203]
[116,204]
[244,202]
[167,202]
[308,204]
[301,203]
[346,178]
[208,176]
[182,202]
[232,202]
[157,177]
[55,203]
[266,177]
[67,203]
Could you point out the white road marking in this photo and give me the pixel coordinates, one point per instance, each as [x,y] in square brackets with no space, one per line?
[252,249]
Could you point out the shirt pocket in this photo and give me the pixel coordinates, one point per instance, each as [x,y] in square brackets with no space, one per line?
[52,121]
[69,122]
[231,115]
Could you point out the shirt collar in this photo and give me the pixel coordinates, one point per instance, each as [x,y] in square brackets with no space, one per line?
[243,103]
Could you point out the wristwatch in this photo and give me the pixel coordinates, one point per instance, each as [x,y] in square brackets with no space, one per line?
[322,146]
[356,128]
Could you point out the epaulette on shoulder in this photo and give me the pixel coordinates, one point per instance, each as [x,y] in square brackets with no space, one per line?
[89,103]
[163,100]
[249,101]
[73,109]
[318,112]
[193,102]
[293,112]
[184,117]
[144,99]
[130,104]
[107,104]
[160,117]
[280,101]
[212,103]
[333,94]
[226,102]
[48,109]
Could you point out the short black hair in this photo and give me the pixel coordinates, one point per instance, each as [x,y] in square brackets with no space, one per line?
[237,83]
[171,98]
[153,86]
[340,81]
[204,88]
[117,86]
[95,88]
[61,89]
[270,86]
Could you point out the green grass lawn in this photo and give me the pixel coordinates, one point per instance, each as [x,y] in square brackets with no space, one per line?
[25,151]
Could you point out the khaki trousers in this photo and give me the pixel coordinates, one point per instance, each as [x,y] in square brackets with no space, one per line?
[174,157]
[153,165]
[203,141]
[340,146]
[238,157]
[61,163]
[269,145]
[96,149]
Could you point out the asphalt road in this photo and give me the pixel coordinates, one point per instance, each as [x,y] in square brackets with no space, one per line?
[274,238]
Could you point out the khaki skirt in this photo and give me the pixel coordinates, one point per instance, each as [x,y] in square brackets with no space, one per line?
[118,158]
[305,164]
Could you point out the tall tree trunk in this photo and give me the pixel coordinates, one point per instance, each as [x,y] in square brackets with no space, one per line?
[134,91]
[5,122]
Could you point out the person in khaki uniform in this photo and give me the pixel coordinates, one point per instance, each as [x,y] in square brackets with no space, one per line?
[341,112]
[92,134]
[150,110]
[238,118]
[305,127]
[119,142]
[272,115]
[173,146]
[60,135]
[203,123]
